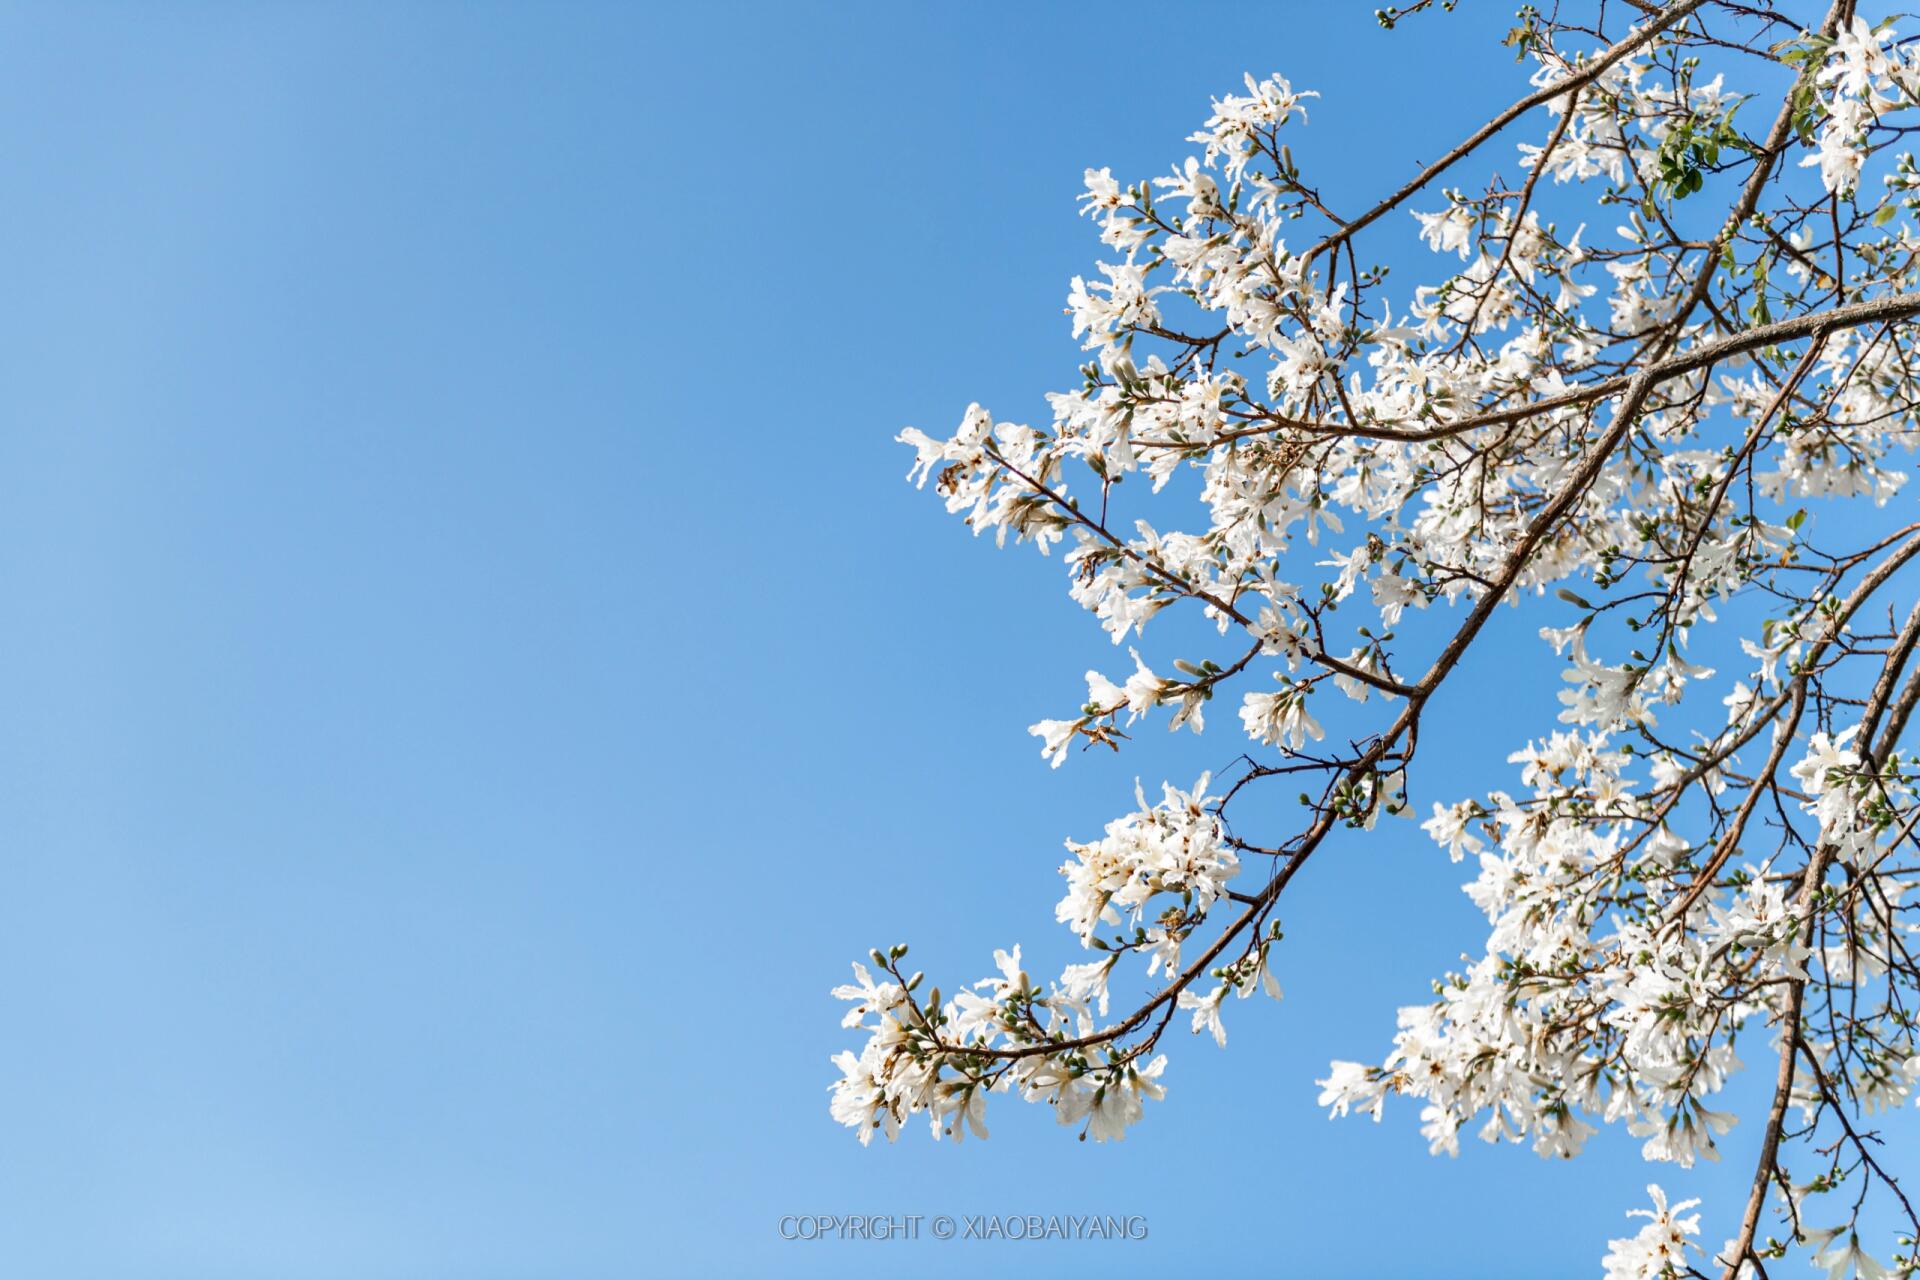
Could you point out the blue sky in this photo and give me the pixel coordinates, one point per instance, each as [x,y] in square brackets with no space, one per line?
[474,675]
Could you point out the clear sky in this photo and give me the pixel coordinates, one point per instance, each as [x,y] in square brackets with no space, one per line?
[473,674]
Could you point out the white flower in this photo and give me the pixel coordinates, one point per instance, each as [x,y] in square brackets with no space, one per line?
[1110,1103]
[1824,756]
[1659,1250]
[872,997]
[1667,849]
[1449,231]
[1087,983]
[1350,1084]
[1143,689]
[1448,826]
[1280,717]
[1206,1012]
[1055,737]
[1849,1259]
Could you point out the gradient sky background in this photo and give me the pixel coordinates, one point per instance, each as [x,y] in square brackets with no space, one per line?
[474,675]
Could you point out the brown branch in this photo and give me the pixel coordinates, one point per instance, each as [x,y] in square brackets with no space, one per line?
[1584,76]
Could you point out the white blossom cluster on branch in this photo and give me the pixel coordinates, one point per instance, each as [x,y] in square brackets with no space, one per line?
[1671,317]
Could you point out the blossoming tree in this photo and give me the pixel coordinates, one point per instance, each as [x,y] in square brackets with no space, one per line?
[1626,428]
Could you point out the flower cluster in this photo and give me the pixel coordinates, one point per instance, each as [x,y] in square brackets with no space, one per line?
[1152,878]
[1658,1249]
[1860,80]
[1632,393]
